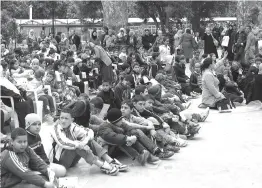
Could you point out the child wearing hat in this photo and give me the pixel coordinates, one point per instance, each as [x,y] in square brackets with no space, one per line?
[107,94]
[74,142]
[33,128]
[127,136]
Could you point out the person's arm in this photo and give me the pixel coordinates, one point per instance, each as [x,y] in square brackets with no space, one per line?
[112,137]
[17,168]
[61,139]
[137,126]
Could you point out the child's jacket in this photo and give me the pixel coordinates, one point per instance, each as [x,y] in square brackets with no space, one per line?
[66,138]
[35,142]
[16,167]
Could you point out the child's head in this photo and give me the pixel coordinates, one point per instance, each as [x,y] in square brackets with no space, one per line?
[39,74]
[33,123]
[19,140]
[166,41]
[213,56]
[96,105]
[258,61]
[66,118]
[50,76]
[141,90]
[136,68]
[35,64]
[14,64]
[70,61]
[106,86]
[126,108]
[116,53]
[123,50]
[115,117]
[198,67]
[149,102]
[127,80]
[126,68]
[139,103]
[196,54]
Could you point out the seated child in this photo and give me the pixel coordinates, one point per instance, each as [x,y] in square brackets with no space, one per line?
[33,127]
[37,84]
[122,90]
[20,165]
[162,128]
[134,142]
[107,94]
[196,79]
[96,105]
[194,60]
[143,124]
[74,142]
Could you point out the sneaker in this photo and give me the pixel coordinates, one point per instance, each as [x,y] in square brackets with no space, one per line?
[142,158]
[121,167]
[204,114]
[172,148]
[108,169]
[165,154]
[152,159]
[179,142]
[194,130]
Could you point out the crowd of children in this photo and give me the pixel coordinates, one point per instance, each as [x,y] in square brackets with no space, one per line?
[99,101]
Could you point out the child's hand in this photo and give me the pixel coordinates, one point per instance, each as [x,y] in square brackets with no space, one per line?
[165,125]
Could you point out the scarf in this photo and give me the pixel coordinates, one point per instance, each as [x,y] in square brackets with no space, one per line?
[7,84]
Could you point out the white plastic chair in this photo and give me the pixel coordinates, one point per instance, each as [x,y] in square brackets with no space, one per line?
[14,114]
[38,105]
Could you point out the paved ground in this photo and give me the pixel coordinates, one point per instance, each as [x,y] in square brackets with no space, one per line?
[226,154]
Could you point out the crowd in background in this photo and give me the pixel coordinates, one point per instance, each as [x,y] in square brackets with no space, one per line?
[143,80]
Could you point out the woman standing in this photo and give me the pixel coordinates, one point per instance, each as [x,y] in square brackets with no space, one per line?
[188,42]
[64,43]
[94,39]
[209,46]
[131,42]
[101,55]
[210,85]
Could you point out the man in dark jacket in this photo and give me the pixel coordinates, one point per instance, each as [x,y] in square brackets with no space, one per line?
[147,40]
[75,39]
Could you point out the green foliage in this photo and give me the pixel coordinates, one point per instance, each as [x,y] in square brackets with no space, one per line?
[89,9]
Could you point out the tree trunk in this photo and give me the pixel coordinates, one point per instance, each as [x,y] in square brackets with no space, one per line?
[195,20]
[155,21]
[115,14]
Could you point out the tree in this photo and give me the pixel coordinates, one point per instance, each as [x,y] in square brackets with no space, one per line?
[115,14]
[89,9]
[164,10]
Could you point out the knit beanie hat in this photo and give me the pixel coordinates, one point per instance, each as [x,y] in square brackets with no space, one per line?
[31,118]
[114,115]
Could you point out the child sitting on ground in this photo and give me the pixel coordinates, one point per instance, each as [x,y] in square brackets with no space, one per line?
[196,79]
[33,128]
[162,128]
[107,94]
[20,165]
[74,142]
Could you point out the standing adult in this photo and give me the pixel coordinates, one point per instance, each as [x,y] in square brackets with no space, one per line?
[250,45]
[31,40]
[177,38]
[64,43]
[241,38]
[210,85]
[131,42]
[147,40]
[94,38]
[75,39]
[257,94]
[101,55]
[109,41]
[209,46]
[188,43]
[102,36]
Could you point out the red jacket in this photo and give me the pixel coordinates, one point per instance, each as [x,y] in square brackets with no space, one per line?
[16,167]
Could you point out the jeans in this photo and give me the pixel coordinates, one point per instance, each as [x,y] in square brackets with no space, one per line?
[143,139]
[165,138]
[47,101]
[70,158]
[132,151]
